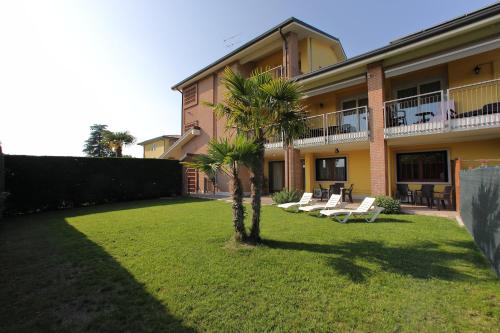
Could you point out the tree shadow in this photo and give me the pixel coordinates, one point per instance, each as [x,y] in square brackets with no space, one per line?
[117,206]
[486,221]
[423,260]
[55,279]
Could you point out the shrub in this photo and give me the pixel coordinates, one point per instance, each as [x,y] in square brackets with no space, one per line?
[285,196]
[390,205]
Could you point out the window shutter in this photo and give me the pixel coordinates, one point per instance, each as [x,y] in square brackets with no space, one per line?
[190,95]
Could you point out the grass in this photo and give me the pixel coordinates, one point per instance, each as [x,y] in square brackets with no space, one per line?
[167,265]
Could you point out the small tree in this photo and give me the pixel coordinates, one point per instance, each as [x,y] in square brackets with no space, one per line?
[96,145]
[116,141]
[227,157]
[261,107]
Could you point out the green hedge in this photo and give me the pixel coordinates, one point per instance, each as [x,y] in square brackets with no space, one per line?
[49,182]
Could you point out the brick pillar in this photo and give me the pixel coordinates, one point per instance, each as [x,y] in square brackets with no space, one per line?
[293,169]
[291,55]
[378,147]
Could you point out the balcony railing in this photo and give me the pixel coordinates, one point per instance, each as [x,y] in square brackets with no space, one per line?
[467,107]
[349,125]
[474,105]
[275,71]
[415,114]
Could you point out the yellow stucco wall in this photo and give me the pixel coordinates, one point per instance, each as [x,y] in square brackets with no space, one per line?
[161,146]
[315,54]
[461,72]
[322,55]
[469,150]
[358,170]
[271,61]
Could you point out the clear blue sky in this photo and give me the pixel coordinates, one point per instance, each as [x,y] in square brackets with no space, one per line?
[65,65]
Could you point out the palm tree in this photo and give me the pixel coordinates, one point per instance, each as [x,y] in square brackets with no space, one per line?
[225,156]
[261,107]
[116,141]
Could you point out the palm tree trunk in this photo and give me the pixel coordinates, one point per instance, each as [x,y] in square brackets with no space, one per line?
[119,151]
[257,179]
[237,205]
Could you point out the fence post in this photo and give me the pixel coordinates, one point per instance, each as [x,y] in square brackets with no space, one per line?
[2,182]
[458,165]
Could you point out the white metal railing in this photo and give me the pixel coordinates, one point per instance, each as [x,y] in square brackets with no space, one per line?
[275,142]
[335,127]
[419,114]
[275,71]
[470,106]
[474,105]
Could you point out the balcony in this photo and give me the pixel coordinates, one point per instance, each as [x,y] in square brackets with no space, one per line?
[343,126]
[475,105]
[275,72]
[472,106]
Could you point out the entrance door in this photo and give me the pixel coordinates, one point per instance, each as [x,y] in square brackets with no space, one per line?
[276,176]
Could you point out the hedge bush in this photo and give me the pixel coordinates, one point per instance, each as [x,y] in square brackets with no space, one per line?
[285,196]
[390,205]
[38,183]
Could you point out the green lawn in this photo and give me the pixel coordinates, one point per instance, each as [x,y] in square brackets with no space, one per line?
[168,266]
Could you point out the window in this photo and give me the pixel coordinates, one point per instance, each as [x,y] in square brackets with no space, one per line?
[331,169]
[190,96]
[153,147]
[355,119]
[423,167]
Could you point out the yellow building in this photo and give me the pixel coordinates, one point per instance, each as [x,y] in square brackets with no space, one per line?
[398,115]
[155,147]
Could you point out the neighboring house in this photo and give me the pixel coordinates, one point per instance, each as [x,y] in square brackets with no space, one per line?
[155,147]
[400,114]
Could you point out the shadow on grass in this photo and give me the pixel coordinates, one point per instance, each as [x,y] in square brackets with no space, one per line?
[54,278]
[423,260]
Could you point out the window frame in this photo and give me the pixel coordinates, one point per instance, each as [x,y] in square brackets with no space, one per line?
[448,166]
[331,180]
[412,83]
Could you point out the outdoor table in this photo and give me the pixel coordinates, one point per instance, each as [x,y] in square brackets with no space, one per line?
[424,115]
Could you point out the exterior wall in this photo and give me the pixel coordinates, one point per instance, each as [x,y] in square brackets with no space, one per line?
[271,61]
[461,72]
[161,146]
[150,153]
[358,166]
[331,102]
[321,55]
[315,54]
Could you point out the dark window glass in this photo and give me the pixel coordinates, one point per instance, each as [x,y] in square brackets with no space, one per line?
[334,169]
[423,167]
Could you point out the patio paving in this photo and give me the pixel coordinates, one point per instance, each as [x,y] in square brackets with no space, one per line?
[405,208]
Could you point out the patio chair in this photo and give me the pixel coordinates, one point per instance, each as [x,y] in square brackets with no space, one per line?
[333,202]
[442,197]
[336,188]
[425,192]
[403,193]
[367,208]
[306,198]
[347,192]
[324,192]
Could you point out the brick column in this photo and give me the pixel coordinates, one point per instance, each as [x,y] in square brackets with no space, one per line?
[293,169]
[378,147]
[291,55]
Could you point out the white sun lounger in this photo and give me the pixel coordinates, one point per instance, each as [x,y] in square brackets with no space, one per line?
[332,203]
[367,208]
[306,198]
